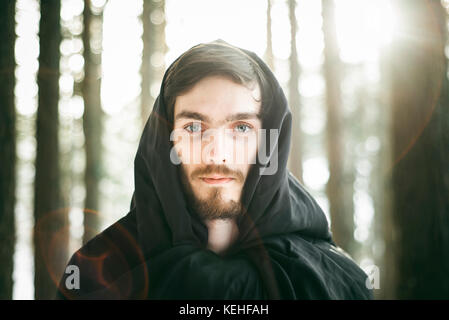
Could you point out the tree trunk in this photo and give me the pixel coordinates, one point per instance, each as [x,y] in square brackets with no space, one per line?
[420,151]
[7,147]
[381,174]
[154,49]
[269,50]
[50,230]
[339,201]
[92,119]
[295,158]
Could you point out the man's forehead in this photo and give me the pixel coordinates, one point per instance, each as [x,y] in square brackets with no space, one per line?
[219,99]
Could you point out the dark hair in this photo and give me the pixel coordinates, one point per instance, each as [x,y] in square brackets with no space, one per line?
[212,59]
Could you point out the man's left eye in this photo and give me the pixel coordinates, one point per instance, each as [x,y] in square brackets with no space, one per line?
[242,128]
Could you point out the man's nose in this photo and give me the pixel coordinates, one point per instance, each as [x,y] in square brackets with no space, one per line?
[217,149]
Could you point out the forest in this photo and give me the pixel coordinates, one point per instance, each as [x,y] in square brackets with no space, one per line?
[367,82]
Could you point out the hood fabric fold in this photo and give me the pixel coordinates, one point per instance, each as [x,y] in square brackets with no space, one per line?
[159,249]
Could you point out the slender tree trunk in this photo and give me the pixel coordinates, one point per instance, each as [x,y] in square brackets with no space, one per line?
[295,158]
[339,200]
[420,134]
[154,49]
[384,228]
[269,50]
[7,147]
[92,119]
[50,230]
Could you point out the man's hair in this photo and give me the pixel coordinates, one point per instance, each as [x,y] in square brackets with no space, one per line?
[216,58]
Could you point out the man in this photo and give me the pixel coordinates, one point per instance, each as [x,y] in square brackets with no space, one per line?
[215,213]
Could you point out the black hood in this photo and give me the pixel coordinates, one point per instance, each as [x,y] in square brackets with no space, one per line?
[274,203]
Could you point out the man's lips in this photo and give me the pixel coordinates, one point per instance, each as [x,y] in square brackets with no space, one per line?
[216,179]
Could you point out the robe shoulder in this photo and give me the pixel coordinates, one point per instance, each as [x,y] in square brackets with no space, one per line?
[103,259]
[308,268]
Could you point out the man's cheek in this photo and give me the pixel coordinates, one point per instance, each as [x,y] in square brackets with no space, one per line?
[245,149]
[186,149]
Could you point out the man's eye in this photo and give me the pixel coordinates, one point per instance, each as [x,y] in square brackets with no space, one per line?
[242,128]
[193,127]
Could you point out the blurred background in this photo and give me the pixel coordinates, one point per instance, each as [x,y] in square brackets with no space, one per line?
[367,82]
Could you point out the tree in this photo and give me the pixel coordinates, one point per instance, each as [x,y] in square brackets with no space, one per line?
[269,50]
[295,158]
[420,140]
[339,197]
[154,49]
[92,118]
[7,147]
[50,230]
[381,185]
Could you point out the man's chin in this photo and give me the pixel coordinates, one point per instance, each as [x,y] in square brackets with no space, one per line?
[217,209]
[210,202]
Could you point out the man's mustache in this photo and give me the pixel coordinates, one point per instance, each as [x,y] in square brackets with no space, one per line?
[219,170]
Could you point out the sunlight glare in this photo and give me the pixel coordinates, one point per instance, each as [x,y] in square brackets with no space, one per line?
[121,58]
[280,30]
[316,172]
[363,27]
[363,213]
[241,23]
[309,39]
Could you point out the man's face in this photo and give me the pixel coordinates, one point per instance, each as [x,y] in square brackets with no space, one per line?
[218,122]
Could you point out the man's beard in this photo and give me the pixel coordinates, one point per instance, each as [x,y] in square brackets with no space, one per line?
[212,207]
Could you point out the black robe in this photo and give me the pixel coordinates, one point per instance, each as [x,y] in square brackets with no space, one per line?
[159,249]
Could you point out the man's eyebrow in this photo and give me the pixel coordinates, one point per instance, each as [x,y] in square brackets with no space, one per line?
[192,115]
[234,117]
[243,116]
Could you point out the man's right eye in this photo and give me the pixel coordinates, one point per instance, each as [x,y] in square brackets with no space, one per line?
[194,127]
